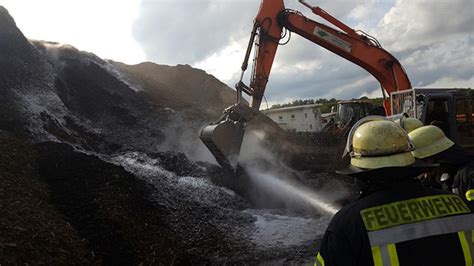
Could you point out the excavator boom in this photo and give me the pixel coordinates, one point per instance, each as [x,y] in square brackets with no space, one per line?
[271,21]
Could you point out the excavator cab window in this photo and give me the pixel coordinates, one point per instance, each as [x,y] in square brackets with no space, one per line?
[465,121]
[361,110]
[437,114]
[345,113]
[348,112]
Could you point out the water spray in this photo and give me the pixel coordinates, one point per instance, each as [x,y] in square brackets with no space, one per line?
[292,190]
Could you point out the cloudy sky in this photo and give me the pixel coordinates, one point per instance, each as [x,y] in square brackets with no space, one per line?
[433,39]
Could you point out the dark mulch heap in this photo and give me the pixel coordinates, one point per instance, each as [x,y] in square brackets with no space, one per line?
[58,206]
[31,229]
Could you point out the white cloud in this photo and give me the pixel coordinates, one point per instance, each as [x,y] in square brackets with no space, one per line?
[102,27]
[448,60]
[224,64]
[189,31]
[362,11]
[449,82]
[372,94]
[342,91]
[414,23]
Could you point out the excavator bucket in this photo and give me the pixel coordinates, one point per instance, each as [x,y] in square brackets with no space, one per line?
[224,140]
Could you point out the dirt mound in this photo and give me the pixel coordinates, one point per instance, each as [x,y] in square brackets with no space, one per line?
[54,92]
[31,228]
[107,206]
[182,87]
[58,206]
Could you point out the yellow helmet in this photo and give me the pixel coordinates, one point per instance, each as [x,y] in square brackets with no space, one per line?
[428,141]
[379,143]
[410,123]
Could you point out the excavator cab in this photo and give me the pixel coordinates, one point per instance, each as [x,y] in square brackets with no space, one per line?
[353,110]
[348,113]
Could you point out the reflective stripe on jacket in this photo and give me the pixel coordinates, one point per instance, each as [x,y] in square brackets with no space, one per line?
[404,225]
[383,242]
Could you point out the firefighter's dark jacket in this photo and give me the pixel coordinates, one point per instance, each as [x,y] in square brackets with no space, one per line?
[403,224]
[459,164]
[464,183]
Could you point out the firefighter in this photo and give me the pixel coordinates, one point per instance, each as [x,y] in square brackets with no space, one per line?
[410,123]
[456,171]
[397,221]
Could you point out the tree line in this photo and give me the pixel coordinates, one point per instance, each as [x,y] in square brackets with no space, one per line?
[326,103]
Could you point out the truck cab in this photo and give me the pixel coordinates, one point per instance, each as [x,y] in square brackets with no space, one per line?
[452,110]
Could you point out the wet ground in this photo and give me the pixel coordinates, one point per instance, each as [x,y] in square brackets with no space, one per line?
[284,225]
[277,228]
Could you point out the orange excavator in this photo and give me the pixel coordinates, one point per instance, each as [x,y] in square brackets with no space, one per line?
[224,137]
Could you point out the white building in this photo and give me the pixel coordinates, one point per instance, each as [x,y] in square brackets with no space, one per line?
[302,118]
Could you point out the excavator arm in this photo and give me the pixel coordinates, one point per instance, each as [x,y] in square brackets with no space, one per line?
[356,47]
[272,20]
